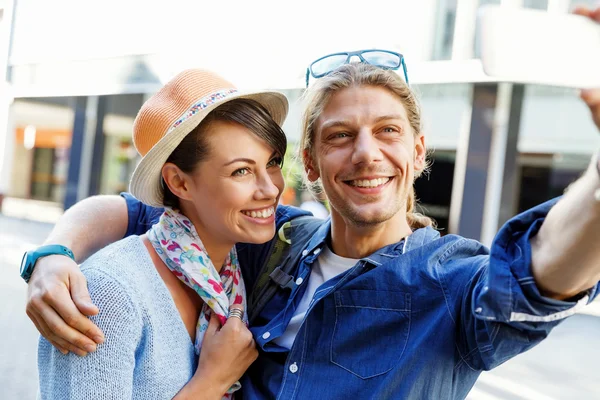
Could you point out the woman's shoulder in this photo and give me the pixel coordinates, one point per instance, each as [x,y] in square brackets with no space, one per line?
[125,263]
[125,257]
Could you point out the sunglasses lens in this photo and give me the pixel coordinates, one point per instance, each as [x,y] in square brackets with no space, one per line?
[326,65]
[382,59]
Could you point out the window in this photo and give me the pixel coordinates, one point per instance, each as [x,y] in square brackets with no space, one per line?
[444,30]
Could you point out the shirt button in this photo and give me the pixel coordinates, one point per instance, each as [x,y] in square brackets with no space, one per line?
[478,310]
[266,335]
[305,252]
[299,281]
[293,368]
[317,251]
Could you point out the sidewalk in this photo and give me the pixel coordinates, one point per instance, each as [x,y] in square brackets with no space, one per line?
[592,309]
[32,210]
[18,336]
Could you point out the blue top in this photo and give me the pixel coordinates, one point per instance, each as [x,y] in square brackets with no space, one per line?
[148,353]
[417,319]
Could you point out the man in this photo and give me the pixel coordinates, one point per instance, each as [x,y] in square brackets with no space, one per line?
[382,307]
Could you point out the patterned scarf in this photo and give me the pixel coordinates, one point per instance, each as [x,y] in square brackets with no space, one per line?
[177,243]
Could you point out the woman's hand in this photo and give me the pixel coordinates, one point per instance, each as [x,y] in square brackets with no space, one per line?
[226,354]
[58,303]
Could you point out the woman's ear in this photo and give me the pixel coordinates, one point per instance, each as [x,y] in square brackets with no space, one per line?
[177,181]
[311,171]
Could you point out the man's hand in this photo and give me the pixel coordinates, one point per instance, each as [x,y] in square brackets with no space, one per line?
[592,99]
[58,302]
[565,256]
[591,96]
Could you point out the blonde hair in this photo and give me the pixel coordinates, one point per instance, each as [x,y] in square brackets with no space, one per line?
[354,75]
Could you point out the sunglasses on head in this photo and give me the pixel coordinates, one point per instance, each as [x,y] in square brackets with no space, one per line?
[380,58]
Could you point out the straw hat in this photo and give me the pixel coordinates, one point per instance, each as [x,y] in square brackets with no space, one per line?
[173,112]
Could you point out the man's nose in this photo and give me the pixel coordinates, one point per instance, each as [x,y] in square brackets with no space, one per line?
[366,148]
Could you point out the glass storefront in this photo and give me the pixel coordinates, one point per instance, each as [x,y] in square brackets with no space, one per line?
[546,176]
[434,189]
[43,134]
[120,157]
[48,175]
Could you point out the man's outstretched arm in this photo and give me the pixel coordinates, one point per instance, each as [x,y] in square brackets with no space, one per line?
[566,251]
[58,301]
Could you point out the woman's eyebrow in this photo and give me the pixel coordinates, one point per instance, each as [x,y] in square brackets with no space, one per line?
[246,160]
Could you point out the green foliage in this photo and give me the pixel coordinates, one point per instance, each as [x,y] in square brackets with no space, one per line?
[292,167]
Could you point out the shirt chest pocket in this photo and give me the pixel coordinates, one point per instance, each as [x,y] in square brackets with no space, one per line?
[370,332]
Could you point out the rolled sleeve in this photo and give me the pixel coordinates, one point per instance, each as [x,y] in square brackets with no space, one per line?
[512,295]
[140,216]
[501,310]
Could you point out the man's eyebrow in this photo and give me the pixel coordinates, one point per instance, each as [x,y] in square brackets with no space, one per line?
[388,117]
[335,123]
[344,123]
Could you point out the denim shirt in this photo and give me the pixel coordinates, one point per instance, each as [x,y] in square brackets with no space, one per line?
[419,319]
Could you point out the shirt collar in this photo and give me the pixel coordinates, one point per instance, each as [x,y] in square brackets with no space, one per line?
[318,240]
[420,237]
[417,239]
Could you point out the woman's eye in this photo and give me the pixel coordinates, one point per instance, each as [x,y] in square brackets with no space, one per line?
[276,161]
[240,172]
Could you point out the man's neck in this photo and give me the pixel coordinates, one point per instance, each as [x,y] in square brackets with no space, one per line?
[352,241]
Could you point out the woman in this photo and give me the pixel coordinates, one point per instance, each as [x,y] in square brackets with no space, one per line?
[212,156]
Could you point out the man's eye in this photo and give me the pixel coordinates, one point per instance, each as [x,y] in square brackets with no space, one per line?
[240,172]
[340,135]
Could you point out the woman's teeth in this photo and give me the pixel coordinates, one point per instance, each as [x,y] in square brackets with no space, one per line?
[266,213]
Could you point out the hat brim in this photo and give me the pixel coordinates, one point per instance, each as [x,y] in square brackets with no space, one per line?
[145,181]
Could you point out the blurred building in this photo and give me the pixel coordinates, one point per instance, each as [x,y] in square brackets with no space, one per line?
[77,72]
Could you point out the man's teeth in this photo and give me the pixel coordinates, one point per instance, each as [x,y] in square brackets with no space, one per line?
[369,183]
[266,213]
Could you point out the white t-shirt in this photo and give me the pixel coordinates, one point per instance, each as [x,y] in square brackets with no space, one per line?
[327,266]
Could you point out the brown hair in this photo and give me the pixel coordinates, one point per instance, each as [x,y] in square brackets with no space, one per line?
[194,148]
[353,75]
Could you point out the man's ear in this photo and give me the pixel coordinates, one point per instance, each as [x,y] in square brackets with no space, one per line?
[420,153]
[311,171]
[177,181]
